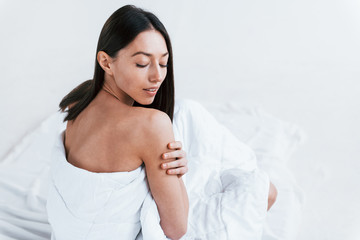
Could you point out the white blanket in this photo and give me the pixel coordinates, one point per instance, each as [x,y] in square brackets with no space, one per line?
[227,191]
[88,205]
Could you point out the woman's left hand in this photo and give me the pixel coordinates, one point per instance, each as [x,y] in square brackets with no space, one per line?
[178,165]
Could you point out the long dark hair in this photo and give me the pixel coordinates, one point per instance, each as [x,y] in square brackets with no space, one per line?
[118,31]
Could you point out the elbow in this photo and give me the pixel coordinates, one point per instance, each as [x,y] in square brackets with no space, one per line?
[179,233]
[272,196]
[176,232]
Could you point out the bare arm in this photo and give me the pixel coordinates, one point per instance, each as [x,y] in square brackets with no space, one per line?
[168,190]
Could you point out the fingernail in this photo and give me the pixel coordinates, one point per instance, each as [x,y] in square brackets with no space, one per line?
[165,155]
[164,165]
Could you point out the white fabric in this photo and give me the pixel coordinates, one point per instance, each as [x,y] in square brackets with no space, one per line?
[273,142]
[226,201]
[227,193]
[88,205]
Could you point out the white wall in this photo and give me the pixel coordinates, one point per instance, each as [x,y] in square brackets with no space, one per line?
[299,60]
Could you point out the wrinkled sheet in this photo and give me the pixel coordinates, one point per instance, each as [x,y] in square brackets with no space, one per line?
[273,141]
[227,190]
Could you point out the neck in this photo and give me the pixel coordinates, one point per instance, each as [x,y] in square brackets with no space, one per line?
[110,88]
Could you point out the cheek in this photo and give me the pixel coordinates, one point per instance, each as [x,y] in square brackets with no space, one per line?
[138,77]
[135,80]
[127,77]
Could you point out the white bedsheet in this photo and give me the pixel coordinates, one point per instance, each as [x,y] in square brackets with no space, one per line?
[226,194]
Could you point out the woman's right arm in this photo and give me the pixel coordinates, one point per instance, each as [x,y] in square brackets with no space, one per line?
[168,190]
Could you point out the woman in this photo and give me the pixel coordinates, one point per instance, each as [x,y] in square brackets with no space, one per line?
[117,123]
[121,120]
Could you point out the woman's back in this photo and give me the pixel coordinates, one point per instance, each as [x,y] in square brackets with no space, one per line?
[87,205]
[106,136]
[114,140]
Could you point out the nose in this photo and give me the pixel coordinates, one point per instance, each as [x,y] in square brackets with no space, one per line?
[156,74]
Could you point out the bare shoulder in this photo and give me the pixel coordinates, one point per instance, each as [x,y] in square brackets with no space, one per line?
[155,129]
[153,120]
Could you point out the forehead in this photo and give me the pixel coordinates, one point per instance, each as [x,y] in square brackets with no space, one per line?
[150,41]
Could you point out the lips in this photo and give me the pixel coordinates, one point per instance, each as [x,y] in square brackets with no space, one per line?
[151,89]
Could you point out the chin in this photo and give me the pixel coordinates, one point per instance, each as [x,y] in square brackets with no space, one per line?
[146,101]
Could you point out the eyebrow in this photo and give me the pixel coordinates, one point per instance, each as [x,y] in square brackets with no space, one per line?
[147,54]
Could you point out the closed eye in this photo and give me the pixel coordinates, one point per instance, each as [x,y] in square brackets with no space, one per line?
[141,66]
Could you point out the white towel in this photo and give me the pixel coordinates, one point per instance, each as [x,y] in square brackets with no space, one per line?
[88,205]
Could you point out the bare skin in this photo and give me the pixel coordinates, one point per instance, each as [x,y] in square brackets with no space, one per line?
[272,195]
[110,135]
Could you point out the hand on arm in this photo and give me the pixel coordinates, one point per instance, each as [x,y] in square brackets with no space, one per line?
[178,161]
[168,190]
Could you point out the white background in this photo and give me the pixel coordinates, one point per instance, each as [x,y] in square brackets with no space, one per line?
[298,60]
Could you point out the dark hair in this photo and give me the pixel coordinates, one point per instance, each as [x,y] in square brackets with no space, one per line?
[119,30]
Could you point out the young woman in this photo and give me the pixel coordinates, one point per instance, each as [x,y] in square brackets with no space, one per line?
[122,118]
[119,126]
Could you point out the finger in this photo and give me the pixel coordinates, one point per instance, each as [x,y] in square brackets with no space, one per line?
[174,164]
[180,170]
[176,145]
[174,154]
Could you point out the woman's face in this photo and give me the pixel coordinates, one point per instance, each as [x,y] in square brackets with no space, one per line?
[139,69]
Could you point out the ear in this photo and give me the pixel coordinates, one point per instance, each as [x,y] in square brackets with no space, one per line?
[104,61]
